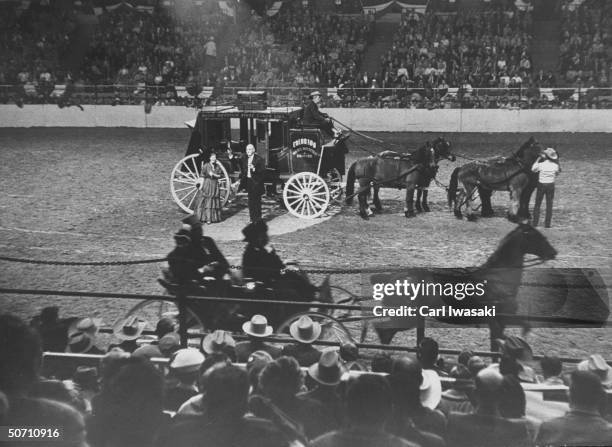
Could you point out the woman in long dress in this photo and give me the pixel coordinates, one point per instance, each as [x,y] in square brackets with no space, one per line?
[208,209]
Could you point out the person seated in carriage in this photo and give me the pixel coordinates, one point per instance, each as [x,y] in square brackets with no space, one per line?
[261,263]
[193,252]
[313,117]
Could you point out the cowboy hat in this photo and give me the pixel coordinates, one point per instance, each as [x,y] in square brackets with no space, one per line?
[187,360]
[315,93]
[169,343]
[88,325]
[551,153]
[254,229]
[305,330]
[515,347]
[328,370]
[80,342]
[596,364]
[257,327]
[217,341]
[431,389]
[129,328]
[147,352]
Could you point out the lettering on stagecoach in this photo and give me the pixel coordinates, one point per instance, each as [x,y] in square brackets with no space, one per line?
[304,148]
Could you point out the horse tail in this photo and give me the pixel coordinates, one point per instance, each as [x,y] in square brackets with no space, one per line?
[452,187]
[350,184]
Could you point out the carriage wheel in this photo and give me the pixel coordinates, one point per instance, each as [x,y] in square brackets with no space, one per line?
[331,329]
[152,311]
[333,178]
[306,195]
[184,179]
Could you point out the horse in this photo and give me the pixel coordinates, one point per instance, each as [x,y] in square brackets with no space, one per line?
[495,283]
[511,174]
[391,169]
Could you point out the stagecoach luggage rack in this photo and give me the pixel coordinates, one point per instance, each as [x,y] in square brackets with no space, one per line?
[252,100]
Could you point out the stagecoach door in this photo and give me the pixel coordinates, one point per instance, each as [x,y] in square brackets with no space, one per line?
[305,149]
[215,130]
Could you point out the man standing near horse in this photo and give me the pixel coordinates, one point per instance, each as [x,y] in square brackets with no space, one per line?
[314,117]
[547,167]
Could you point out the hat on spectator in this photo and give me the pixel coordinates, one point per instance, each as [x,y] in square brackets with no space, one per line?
[88,325]
[80,342]
[431,389]
[257,327]
[515,347]
[328,370]
[187,360]
[169,343]
[462,376]
[129,328]
[315,93]
[475,364]
[257,361]
[217,341]
[551,153]
[254,229]
[349,352]
[305,330]
[164,325]
[597,364]
[147,351]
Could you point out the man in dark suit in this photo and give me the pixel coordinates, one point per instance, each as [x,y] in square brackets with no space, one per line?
[252,170]
[314,117]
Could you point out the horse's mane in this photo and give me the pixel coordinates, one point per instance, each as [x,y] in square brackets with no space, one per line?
[529,151]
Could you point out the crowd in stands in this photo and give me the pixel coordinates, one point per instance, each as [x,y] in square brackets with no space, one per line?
[147,390]
[477,49]
[143,55]
[586,44]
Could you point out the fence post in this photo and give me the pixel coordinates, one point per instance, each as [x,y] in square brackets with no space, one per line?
[182,309]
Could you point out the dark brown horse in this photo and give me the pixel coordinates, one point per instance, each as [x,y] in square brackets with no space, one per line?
[394,170]
[499,278]
[511,174]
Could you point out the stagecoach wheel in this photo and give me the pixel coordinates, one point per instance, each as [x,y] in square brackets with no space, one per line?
[306,195]
[153,310]
[331,329]
[184,183]
[333,178]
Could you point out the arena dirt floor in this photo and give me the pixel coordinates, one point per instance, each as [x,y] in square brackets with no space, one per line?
[103,195]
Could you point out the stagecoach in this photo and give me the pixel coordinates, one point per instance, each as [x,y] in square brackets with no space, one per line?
[298,162]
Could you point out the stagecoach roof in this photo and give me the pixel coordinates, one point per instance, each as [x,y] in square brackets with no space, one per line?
[234,112]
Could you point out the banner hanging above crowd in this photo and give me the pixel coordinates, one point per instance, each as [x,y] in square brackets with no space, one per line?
[375,8]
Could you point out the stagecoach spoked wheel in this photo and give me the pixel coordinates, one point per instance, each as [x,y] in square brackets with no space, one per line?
[331,329]
[306,195]
[333,178]
[153,310]
[184,183]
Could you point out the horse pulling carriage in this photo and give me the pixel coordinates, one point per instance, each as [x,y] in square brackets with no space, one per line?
[296,157]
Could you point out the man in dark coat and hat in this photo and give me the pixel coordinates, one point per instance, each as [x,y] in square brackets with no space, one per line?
[195,251]
[314,117]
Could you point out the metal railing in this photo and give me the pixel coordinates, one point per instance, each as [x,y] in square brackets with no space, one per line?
[347,97]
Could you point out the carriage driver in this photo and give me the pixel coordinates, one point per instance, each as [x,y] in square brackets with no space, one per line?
[313,117]
[193,252]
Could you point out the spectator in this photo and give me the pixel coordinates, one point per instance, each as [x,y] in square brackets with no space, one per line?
[458,398]
[82,336]
[257,328]
[255,364]
[485,426]
[128,411]
[368,408]
[53,331]
[128,330]
[183,377]
[220,341]
[305,332]
[327,373]
[515,352]
[20,351]
[597,365]
[280,382]
[382,363]
[583,424]
[349,353]
[226,424]
[411,388]
[513,403]
[551,370]
[428,355]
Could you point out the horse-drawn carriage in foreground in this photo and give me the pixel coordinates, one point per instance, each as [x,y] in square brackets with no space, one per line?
[309,171]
